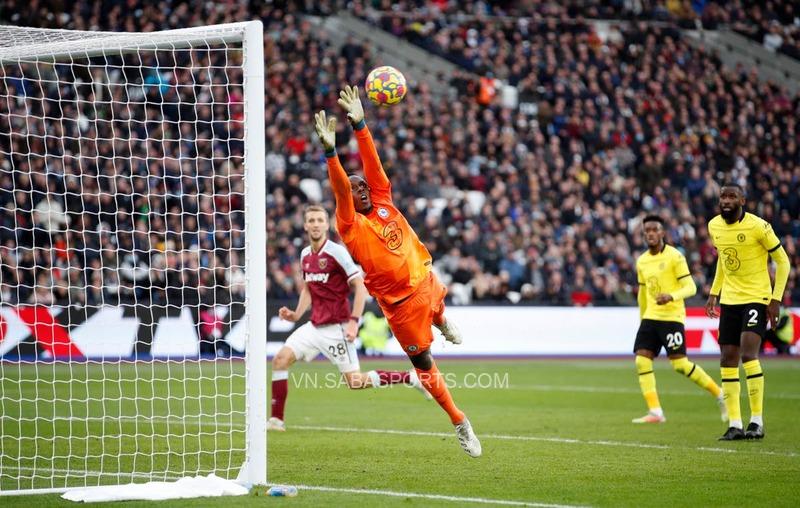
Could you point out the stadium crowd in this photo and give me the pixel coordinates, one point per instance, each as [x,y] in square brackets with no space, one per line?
[774,24]
[112,193]
[538,204]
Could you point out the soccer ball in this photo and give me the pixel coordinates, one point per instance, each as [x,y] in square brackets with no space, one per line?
[385,86]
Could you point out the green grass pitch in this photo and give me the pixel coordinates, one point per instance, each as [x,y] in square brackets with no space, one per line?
[554,432]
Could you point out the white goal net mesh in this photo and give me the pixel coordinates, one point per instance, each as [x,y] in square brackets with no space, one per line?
[122,256]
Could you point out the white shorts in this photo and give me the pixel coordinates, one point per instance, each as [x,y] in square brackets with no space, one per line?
[308,341]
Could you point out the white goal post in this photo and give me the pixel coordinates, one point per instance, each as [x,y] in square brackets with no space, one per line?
[132,257]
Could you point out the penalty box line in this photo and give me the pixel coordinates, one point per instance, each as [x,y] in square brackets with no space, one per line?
[540,439]
[438,497]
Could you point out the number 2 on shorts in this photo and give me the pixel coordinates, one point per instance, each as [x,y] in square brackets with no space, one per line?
[753,321]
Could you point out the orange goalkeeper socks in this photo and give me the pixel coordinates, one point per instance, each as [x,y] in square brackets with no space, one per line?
[435,384]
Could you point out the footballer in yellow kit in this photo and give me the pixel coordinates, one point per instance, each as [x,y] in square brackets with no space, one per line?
[748,301]
[664,282]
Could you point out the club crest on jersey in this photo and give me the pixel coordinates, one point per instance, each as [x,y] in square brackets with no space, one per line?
[383,213]
[322,263]
[412,348]
[741,237]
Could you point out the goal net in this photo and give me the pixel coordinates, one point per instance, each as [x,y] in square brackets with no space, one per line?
[132,256]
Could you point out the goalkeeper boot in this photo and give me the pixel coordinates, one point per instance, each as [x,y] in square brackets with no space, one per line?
[276,424]
[416,383]
[754,431]
[450,332]
[467,438]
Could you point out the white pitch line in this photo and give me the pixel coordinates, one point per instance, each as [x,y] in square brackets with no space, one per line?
[544,439]
[482,436]
[439,497]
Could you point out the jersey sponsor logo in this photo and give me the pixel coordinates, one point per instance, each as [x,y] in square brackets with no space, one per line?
[653,287]
[383,213]
[741,237]
[316,277]
[322,263]
[732,262]
[393,235]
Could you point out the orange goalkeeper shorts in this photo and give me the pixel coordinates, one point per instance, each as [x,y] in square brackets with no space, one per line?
[411,318]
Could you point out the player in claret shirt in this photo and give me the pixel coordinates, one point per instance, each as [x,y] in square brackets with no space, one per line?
[329,274]
[397,266]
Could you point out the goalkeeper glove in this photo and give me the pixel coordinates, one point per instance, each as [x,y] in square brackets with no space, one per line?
[326,130]
[350,101]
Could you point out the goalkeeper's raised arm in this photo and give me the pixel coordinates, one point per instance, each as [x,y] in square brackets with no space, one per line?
[377,180]
[326,130]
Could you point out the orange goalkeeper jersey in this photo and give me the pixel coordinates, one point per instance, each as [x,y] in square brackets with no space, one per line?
[394,261]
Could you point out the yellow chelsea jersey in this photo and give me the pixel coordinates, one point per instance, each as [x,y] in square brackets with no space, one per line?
[743,249]
[663,273]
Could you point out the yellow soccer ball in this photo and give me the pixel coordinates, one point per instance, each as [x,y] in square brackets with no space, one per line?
[385,86]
